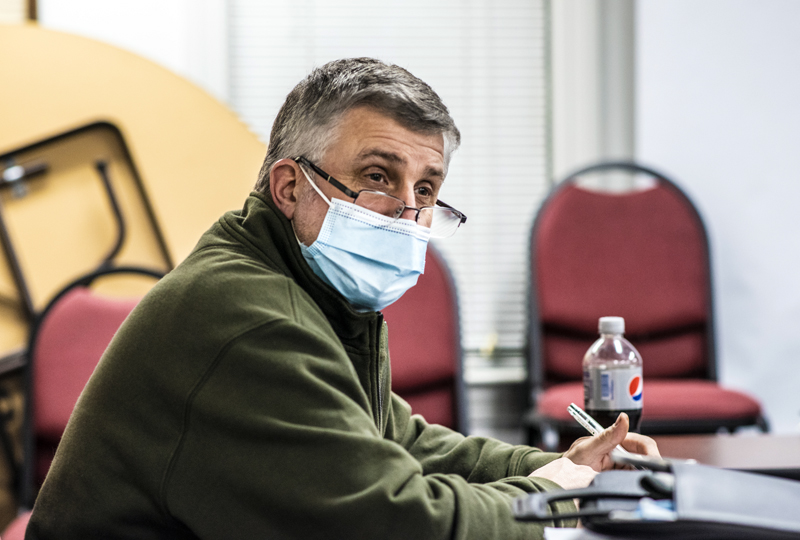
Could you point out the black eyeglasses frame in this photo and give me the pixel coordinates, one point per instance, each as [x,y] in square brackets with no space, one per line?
[354,194]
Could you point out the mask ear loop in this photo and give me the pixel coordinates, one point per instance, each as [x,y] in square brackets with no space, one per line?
[319,191]
[315,186]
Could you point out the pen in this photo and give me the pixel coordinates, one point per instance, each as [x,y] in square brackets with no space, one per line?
[589,423]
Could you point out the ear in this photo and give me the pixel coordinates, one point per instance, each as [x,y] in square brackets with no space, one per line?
[283,185]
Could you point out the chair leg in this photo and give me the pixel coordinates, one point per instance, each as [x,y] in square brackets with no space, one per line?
[534,435]
[6,442]
[544,436]
[551,439]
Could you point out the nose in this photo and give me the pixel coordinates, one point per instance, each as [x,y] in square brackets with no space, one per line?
[406,194]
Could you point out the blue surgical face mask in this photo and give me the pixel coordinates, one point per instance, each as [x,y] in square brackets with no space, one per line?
[371,259]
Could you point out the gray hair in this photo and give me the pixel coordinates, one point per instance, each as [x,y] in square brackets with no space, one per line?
[307,121]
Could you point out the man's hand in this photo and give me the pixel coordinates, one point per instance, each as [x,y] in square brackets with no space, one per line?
[595,452]
[566,474]
[590,455]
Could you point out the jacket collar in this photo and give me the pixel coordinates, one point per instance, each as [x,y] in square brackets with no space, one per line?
[271,235]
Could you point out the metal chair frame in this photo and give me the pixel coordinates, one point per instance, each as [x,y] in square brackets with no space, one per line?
[25,475]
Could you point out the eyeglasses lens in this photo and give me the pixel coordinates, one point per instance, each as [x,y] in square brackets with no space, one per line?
[442,222]
[381,203]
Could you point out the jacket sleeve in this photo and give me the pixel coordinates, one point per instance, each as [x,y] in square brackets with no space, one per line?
[478,459]
[278,442]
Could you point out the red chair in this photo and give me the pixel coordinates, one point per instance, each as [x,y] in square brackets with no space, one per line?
[16,529]
[643,255]
[67,340]
[425,347]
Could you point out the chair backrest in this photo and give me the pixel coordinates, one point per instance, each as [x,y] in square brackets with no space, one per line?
[69,343]
[425,346]
[66,343]
[642,255]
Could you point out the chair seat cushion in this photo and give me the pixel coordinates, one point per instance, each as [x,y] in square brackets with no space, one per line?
[664,399]
[16,529]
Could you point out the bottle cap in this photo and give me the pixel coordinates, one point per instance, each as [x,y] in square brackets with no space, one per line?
[611,325]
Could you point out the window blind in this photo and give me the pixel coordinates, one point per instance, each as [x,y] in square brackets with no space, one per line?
[13,11]
[487,59]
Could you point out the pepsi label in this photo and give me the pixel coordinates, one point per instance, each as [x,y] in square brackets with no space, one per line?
[612,389]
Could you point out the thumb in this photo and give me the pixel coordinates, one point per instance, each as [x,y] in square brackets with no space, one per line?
[616,433]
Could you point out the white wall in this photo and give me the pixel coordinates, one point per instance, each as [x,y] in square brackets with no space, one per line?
[718,108]
[592,82]
[188,37]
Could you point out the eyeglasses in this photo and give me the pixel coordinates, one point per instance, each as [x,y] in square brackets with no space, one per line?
[443,220]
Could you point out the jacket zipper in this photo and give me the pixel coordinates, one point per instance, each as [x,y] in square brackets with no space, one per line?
[380,407]
[378,375]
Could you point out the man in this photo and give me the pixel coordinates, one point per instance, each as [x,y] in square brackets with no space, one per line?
[247,396]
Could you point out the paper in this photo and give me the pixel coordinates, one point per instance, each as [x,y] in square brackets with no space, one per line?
[568,533]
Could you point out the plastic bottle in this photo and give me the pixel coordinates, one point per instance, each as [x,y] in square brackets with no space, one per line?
[612,376]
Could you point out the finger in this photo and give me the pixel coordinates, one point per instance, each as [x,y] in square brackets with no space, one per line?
[640,444]
[615,433]
[595,451]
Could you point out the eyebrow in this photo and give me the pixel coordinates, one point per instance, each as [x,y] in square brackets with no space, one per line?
[395,158]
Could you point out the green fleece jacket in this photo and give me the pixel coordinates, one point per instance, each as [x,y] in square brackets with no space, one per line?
[244,398]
